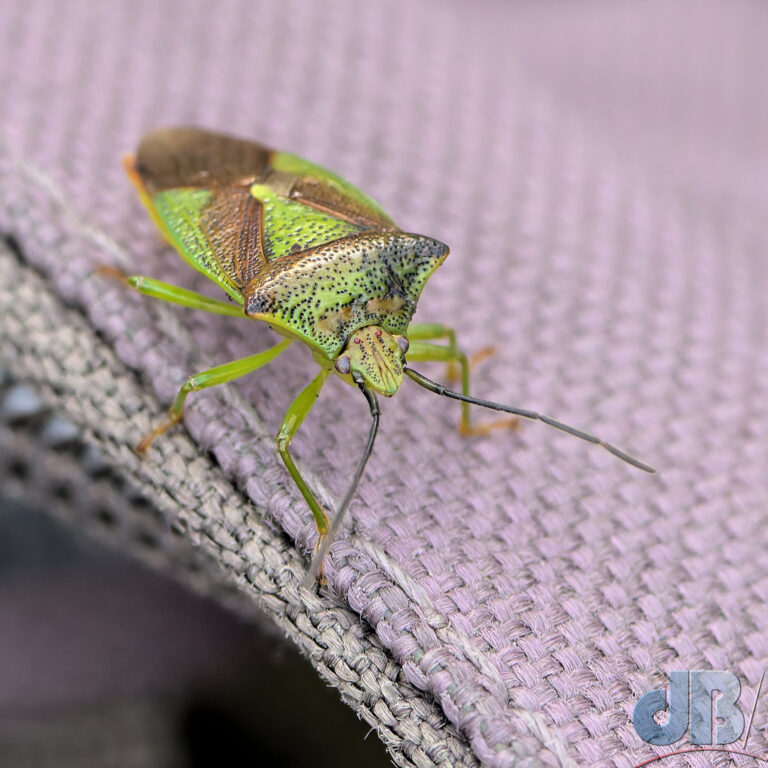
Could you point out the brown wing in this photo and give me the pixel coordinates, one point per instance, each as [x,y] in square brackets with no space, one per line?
[230,207]
[190,157]
[196,186]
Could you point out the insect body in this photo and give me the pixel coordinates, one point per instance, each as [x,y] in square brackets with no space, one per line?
[301,249]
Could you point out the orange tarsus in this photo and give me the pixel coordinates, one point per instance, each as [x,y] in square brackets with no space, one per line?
[481,354]
[107,270]
[483,429]
[320,578]
[454,372]
[143,445]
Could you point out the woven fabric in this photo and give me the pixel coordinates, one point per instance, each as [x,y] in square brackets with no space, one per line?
[600,178]
[181,514]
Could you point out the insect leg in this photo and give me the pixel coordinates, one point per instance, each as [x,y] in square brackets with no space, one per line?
[210,378]
[296,414]
[433,331]
[423,351]
[430,331]
[159,290]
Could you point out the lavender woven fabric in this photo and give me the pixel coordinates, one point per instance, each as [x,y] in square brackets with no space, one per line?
[599,172]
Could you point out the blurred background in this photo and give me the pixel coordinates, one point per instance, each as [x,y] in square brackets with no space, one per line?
[102,656]
[106,661]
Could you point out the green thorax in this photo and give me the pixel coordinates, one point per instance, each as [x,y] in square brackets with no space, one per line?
[333,269]
[324,295]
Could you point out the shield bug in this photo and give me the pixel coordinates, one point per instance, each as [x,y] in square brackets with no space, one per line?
[320,262]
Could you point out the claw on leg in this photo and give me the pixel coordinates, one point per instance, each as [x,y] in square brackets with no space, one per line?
[483,429]
[320,576]
[478,430]
[113,273]
[454,374]
[143,445]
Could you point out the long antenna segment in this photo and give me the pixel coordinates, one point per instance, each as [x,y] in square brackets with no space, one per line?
[439,389]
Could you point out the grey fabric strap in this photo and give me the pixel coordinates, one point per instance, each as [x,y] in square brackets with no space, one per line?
[215,541]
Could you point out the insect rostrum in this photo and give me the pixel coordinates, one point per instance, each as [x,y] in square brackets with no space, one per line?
[301,249]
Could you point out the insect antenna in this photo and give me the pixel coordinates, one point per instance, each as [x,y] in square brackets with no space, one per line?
[317,561]
[439,389]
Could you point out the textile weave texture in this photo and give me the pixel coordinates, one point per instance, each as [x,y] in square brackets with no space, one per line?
[600,175]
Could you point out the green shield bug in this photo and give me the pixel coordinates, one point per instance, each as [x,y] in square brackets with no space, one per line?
[303,250]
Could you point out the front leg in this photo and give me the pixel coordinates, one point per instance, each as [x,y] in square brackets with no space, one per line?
[294,418]
[423,351]
[434,331]
[429,332]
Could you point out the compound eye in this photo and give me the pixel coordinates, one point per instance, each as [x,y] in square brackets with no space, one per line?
[403,343]
[343,366]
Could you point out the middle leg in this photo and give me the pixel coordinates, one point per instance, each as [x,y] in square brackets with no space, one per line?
[210,378]
[423,351]
[434,331]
